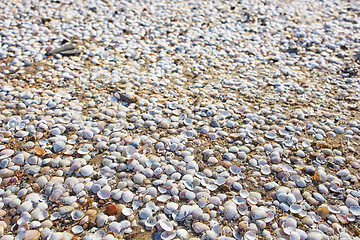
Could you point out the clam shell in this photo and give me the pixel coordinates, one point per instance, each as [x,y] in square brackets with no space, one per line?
[77,215]
[127,196]
[115,227]
[168,235]
[166,225]
[77,229]
[199,227]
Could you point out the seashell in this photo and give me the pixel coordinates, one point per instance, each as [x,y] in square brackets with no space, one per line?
[145,213]
[199,227]
[258,213]
[127,196]
[59,146]
[21,134]
[86,170]
[115,227]
[163,198]
[244,193]
[100,234]
[111,209]
[323,211]
[76,215]
[83,151]
[77,229]
[165,225]
[265,169]
[168,235]
[150,222]
[127,211]
[243,208]
[230,212]
[294,236]
[250,235]
[125,224]
[211,187]
[220,181]
[270,135]
[182,234]
[295,208]
[6,153]
[235,169]
[170,207]
[101,220]
[185,210]
[355,210]
[315,236]
[32,235]
[39,151]
[104,193]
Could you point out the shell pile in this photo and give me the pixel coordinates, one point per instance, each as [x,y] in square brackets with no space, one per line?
[183,119]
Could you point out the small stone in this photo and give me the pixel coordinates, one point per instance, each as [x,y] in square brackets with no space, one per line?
[111,209]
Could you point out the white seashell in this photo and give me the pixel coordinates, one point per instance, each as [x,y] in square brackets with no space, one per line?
[21,134]
[250,235]
[86,170]
[168,235]
[355,210]
[59,146]
[165,225]
[6,153]
[220,181]
[104,194]
[244,193]
[145,213]
[182,234]
[163,198]
[270,135]
[230,212]
[265,169]
[115,227]
[170,207]
[258,213]
[185,210]
[235,169]
[77,215]
[199,227]
[77,229]
[31,235]
[127,196]
[83,151]
[125,224]
[295,208]
[100,234]
[127,211]
[150,222]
